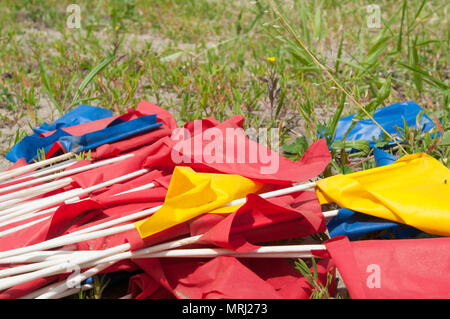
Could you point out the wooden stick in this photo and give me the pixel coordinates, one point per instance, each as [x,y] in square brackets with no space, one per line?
[51,210]
[43,171]
[100,230]
[9,282]
[293,251]
[59,198]
[63,174]
[31,167]
[37,190]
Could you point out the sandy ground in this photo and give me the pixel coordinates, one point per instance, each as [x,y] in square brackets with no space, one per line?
[47,113]
[9,127]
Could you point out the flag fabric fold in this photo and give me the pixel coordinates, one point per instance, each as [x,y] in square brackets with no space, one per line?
[232,152]
[47,134]
[263,220]
[412,191]
[192,194]
[227,278]
[79,115]
[115,131]
[393,269]
[356,225]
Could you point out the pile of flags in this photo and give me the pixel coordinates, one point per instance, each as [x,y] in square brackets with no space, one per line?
[137,193]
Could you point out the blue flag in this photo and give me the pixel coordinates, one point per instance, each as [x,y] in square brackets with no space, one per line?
[117,130]
[79,115]
[389,117]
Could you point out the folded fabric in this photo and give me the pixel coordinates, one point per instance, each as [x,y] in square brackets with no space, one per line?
[355,225]
[393,269]
[116,131]
[383,158]
[192,194]
[389,117]
[29,147]
[226,278]
[263,220]
[207,145]
[47,134]
[168,124]
[79,115]
[414,191]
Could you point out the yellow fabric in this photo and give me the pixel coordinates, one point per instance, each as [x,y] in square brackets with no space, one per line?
[414,190]
[191,194]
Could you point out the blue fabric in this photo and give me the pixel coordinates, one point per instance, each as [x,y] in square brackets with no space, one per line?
[29,146]
[354,225]
[383,158]
[388,117]
[79,115]
[115,131]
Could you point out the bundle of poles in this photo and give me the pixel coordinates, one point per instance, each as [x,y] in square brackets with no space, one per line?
[18,190]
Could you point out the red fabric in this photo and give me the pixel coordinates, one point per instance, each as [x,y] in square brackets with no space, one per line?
[81,129]
[130,144]
[145,179]
[197,151]
[288,281]
[398,269]
[226,277]
[19,163]
[133,143]
[142,286]
[221,277]
[164,116]
[263,220]
[142,158]
[69,217]
[109,150]
[28,287]
[152,195]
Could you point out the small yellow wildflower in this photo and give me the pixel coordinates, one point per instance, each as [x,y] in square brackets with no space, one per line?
[271,59]
[117,27]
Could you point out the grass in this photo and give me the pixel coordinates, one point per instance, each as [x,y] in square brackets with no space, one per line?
[202,58]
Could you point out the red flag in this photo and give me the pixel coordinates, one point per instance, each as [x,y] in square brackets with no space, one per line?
[145,157]
[142,286]
[133,143]
[109,150]
[208,146]
[221,277]
[398,269]
[263,220]
[287,280]
[70,217]
[227,277]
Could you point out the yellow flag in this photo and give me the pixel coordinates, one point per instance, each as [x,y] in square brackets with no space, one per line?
[414,190]
[191,194]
